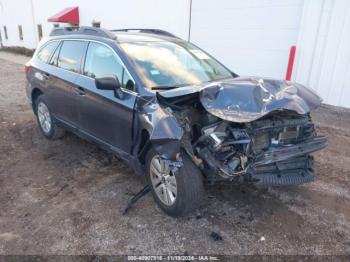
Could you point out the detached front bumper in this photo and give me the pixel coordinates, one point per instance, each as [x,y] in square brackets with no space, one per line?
[287,165]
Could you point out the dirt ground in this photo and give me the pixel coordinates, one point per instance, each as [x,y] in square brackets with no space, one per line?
[65,197]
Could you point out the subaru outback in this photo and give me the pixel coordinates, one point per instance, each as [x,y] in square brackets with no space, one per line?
[172,111]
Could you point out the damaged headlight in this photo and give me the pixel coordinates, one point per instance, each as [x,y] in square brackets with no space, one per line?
[216,133]
[221,147]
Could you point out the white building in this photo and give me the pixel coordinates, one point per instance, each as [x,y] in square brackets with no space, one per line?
[251,37]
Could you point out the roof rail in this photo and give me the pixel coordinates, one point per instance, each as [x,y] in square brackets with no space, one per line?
[83,30]
[146,30]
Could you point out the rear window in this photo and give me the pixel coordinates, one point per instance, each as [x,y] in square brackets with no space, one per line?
[70,55]
[46,52]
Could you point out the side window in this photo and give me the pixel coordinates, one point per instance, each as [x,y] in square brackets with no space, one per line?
[127,81]
[45,53]
[102,61]
[70,55]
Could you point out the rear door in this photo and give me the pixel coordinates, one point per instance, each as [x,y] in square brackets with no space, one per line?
[39,77]
[67,63]
[103,116]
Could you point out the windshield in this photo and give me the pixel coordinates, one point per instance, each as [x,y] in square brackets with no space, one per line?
[173,64]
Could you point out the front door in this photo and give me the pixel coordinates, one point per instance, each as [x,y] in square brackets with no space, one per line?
[102,115]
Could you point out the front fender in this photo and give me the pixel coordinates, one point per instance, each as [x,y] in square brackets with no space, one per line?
[164,129]
[166,137]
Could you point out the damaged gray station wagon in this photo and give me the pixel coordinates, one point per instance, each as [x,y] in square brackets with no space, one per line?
[172,111]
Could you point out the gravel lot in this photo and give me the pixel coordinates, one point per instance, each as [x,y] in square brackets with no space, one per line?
[67,197]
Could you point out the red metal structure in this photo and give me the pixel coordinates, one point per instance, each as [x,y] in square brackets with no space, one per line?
[291,62]
[67,15]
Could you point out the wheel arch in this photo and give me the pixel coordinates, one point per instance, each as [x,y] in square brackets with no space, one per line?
[144,146]
[36,92]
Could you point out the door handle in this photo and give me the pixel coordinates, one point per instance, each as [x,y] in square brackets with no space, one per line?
[79,91]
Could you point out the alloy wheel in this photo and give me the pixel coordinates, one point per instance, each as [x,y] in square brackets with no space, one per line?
[44,117]
[163,181]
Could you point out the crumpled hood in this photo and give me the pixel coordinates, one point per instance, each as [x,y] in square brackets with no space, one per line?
[247,99]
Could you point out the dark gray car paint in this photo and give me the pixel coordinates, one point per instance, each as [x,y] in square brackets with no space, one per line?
[164,129]
[103,115]
[117,124]
[119,138]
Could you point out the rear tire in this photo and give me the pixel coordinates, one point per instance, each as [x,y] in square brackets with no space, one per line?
[183,193]
[45,121]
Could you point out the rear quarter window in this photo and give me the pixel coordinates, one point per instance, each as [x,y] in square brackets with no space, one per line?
[45,53]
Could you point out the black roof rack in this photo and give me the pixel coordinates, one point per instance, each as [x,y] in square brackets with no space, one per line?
[148,31]
[83,30]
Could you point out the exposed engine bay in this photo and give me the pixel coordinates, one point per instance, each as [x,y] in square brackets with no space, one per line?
[273,150]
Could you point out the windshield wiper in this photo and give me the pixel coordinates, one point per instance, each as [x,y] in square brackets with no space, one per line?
[163,87]
[168,87]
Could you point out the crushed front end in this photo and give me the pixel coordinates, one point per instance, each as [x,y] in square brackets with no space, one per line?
[274,151]
[248,129]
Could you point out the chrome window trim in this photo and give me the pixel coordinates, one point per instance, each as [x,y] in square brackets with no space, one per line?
[99,42]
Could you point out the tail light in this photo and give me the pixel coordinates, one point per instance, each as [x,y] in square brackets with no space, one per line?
[26,67]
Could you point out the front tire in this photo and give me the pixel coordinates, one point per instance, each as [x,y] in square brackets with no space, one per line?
[45,121]
[179,193]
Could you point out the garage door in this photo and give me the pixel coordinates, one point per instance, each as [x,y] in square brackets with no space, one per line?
[251,37]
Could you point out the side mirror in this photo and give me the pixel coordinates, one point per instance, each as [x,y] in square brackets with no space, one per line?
[109,83]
